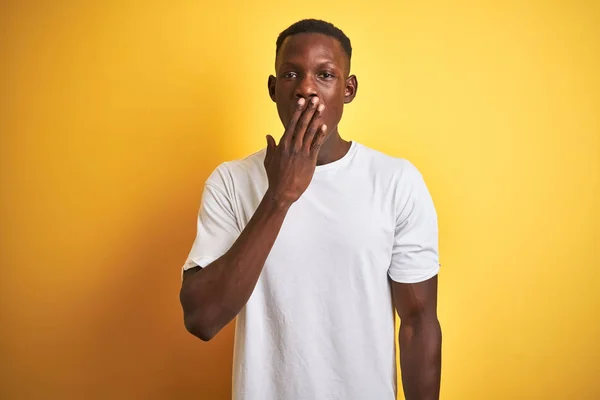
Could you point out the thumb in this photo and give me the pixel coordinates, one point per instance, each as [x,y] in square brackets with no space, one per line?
[270,148]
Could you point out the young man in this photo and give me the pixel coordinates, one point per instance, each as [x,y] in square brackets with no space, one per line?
[312,242]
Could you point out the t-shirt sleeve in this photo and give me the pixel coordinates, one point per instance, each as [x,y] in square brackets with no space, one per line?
[217,228]
[415,249]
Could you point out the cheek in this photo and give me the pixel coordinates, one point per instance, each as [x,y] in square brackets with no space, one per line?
[283,112]
[332,114]
[285,106]
[334,101]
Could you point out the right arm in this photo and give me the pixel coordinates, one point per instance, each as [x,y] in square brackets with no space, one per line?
[212,296]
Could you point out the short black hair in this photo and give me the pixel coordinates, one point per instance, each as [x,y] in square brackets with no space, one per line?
[315,26]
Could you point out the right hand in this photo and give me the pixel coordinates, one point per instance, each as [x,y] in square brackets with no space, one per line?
[290,165]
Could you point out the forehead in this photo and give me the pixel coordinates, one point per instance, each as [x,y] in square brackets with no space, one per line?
[302,48]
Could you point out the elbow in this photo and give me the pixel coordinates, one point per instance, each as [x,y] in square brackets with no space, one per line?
[419,321]
[420,327]
[201,318]
[199,328]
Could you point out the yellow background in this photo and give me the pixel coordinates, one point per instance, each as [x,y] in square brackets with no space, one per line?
[113,114]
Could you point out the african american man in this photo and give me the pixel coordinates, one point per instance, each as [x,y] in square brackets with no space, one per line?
[312,243]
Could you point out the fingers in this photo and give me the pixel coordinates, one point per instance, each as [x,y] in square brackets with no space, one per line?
[318,142]
[291,126]
[304,123]
[313,129]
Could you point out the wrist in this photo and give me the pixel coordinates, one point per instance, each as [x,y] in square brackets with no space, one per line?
[275,202]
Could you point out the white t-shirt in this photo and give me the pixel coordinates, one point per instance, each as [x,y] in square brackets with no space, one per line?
[320,322]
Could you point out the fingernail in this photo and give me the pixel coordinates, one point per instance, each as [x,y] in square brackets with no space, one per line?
[301,101]
[321,107]
[314,100]
[323,127]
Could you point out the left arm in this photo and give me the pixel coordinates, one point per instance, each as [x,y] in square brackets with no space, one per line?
[420,338]
[413,271]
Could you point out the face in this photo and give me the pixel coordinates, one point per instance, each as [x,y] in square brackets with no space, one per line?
[312,64]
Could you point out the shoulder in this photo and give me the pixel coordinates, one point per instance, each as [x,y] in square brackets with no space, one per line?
[230,173]
[397,169]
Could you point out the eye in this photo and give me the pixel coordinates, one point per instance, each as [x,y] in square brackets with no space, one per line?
[289,75]
[326,75]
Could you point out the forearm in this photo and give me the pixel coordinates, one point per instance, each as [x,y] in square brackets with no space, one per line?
[213,296]
[420,358]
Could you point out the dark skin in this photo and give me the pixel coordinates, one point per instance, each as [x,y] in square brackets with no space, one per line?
[314,65]
[311,87]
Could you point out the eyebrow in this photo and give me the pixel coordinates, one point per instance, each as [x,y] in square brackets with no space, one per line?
[320,64]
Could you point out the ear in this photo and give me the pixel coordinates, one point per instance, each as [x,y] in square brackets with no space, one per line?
[271,85]
[351,88]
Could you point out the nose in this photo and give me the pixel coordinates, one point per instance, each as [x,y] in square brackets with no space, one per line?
[306,87]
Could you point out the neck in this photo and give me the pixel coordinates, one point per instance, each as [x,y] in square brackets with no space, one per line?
[333,148]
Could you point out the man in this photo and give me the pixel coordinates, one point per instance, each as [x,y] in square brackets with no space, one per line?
[312,242]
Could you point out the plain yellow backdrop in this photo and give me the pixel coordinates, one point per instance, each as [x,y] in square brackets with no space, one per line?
[114,113]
